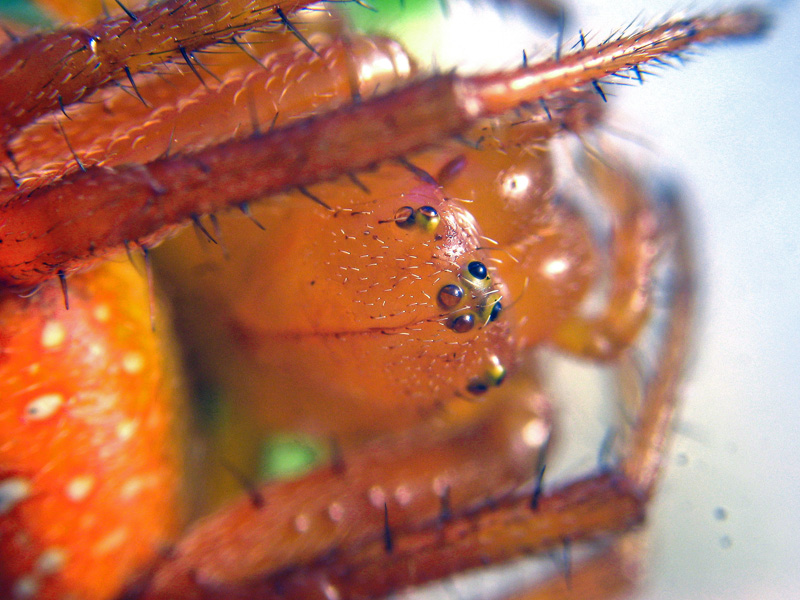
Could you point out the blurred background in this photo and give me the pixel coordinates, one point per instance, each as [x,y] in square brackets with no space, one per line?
[726,127]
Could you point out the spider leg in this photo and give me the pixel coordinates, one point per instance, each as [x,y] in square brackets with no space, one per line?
[635,237]
[642,461]
[423,482]
[612,571]
[72,62]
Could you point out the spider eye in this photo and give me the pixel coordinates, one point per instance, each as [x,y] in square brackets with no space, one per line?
[475,275]
[491,309]
[494,376]
[404,217]
[477,269]
[496,310]
[463,323]
[496,373]
[450,296]
[477,387]
[427,218]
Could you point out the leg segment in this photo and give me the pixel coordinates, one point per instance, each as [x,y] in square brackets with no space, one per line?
[635,243]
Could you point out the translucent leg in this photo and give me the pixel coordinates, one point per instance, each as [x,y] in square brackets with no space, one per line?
[636,234]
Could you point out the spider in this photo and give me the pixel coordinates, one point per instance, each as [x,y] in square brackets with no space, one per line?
[411,248]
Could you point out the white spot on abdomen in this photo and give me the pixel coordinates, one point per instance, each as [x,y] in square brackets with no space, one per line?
[25,587]
[377,496]
[102,312]
[131,488]
[535,433]
[79,487]
[336,512]
[301,523]
[127,429]
[43,407]
[111,542]
[403,495]
[132,363]
[13,491]
[51,561]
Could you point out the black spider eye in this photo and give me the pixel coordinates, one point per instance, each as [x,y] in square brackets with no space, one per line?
[463,323]
[477,269]
[450,296]
[496,310]
[475,276]
[477,387]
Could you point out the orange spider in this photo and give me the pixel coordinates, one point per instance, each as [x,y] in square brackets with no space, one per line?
[411,249]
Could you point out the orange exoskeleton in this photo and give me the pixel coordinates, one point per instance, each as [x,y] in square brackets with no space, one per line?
[403,246]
